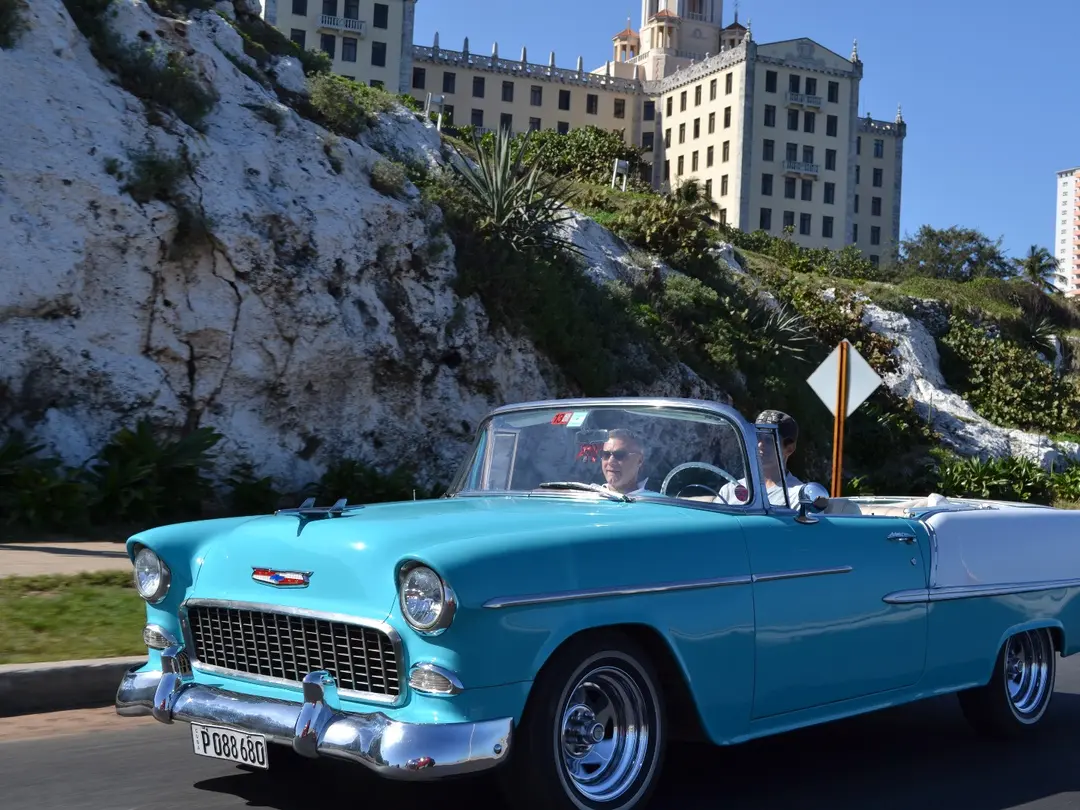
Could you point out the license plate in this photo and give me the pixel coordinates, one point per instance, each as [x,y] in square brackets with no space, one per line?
[235,746]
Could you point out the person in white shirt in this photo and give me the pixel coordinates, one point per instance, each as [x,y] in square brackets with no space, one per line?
[788,434]
[621,461]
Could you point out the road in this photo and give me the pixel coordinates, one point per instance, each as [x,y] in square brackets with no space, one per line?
[921,756]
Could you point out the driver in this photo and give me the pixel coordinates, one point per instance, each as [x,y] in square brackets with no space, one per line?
[621,461]
[788,433]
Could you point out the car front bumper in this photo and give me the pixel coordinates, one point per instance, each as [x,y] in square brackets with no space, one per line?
[318,727]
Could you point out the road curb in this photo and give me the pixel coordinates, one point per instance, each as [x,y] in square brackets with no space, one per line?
[56,686]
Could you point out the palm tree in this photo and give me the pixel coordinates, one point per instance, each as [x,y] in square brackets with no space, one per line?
[691,193]
[1038,268]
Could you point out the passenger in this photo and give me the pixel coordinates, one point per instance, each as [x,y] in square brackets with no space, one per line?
[621,461]
[788,433]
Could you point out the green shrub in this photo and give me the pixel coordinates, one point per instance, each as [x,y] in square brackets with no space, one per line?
[12,22]
[36,491]
[361,483]
[677,231]
[154,176]
[345,106]
[261,41]
[1005,479]
[388,178]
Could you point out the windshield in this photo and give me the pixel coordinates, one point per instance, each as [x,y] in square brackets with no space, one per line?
[615,451]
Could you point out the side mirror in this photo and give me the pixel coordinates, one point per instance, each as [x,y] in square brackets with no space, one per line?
[812,498]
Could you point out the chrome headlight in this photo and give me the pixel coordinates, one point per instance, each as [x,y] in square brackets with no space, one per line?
[427,602]
[152,577]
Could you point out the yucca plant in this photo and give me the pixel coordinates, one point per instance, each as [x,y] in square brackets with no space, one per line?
[518,204]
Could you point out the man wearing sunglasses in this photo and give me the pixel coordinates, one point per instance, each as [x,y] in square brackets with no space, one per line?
[788,433]
[621,461]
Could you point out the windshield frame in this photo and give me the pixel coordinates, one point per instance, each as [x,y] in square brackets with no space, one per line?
[747,432]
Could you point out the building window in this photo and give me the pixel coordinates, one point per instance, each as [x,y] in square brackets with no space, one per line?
[697,96]
[856,203]
[789,219]
[506,121]
[765,219]
[727,117]
[768,151]
[697,127]
[708,189]
[478,86]
[328,43]
[378,54]
[834,92]
[830,193]
[879,148]
[374,83]
[858,144]
[830,160]
[449,81]
[649,112]
[419,78]
[299,37]
[667,137]
[534,125]
[879,175]
[381,17]
[724,186]
[694,161]
[875,206]
[682,133]
[477,119]
[508,92]
[352,9]
[564,102]
[770,81]
[681,165]
[809,120]
[827,227]
[726,151]
[712,90]
[766,185]
[710,153]
[789,188]
[832,124]
[875,235]
[620,108]
[729,83]
[670,101]
[723,216]
[562,127]
[808,154]
[804,224]
[792,153]
[592,103]
[647,141]
[874,259]
[811,86]
[682,101]
[536,95]
[793,120]
[329,8]
[299,8]
[855,232]
[448,113]
[348,49]
[712,123]
[770,115]
[808,190]
[858,174]
[793,82]
[667,170]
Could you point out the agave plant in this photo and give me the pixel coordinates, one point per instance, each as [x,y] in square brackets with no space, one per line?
[783,331]
[519,204]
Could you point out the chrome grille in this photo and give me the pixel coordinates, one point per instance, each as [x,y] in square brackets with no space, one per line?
[284,646]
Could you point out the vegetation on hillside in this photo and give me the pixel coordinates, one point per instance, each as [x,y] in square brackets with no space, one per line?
[12,22]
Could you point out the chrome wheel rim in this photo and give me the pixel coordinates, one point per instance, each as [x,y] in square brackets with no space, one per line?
[603,734]
[1027,672]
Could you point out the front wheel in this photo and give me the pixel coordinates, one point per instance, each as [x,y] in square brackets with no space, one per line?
[594,731]
[1019,691]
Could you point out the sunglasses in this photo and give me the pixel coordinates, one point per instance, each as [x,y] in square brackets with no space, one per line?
[618,455]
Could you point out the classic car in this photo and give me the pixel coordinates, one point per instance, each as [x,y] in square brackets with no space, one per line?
[601,577]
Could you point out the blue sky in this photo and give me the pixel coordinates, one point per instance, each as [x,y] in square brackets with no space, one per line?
[992,99]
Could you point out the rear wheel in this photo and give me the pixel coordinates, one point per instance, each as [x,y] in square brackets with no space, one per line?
[1019,691]
[594,731]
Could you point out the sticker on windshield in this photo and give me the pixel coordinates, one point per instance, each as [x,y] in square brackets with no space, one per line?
[562,418]
[577,419]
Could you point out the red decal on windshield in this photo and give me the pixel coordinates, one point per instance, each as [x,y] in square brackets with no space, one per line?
[562,418]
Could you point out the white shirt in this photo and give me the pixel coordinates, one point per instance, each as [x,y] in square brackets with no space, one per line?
[641,488]
[775,493]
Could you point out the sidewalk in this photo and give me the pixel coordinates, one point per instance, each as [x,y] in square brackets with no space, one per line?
[34,559]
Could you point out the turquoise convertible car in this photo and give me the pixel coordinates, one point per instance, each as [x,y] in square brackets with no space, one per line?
[602,577]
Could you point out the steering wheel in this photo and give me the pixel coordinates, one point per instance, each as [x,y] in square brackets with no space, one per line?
[698,465]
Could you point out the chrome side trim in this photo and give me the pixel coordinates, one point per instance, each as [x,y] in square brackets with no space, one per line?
[375,624]
[600,593]
[950,593]
[802,573]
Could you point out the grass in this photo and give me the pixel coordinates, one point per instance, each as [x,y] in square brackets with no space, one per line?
[55,618]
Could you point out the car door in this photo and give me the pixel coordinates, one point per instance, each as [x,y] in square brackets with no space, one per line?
[822,632]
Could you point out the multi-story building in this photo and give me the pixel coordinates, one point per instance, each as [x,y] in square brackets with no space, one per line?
[1067,230]
[771,130]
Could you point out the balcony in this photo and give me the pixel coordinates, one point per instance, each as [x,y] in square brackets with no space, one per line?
[328,21]
[803,100]
[691,15]
[798,167]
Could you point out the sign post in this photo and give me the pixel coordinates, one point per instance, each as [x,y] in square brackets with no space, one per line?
[843,381]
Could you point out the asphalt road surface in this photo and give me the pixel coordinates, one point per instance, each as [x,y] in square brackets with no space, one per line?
[921,756]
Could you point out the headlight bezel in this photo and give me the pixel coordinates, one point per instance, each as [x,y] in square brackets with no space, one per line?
[162,591]
[449,600]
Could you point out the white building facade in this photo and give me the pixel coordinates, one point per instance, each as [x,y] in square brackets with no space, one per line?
[1067,231]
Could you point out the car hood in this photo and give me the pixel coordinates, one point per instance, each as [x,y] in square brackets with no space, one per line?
[352,559]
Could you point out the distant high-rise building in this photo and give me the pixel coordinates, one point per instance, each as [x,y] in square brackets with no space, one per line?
[1067,231]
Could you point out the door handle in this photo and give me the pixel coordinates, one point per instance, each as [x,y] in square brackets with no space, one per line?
[902,537]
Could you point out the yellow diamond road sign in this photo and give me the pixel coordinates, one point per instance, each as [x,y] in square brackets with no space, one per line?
[862,380]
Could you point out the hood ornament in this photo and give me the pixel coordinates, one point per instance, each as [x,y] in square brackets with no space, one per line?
[281,579]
